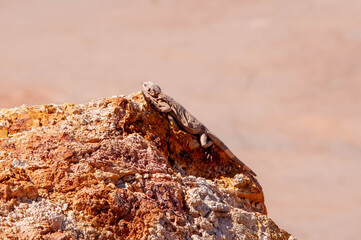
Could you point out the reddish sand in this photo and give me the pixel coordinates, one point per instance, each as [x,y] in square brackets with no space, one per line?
[279,81]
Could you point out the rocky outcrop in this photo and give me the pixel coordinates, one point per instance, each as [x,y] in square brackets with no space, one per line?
[117,169]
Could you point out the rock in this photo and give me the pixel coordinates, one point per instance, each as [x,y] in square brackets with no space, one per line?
[115,168]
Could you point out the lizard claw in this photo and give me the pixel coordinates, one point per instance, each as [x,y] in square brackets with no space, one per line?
[209,152]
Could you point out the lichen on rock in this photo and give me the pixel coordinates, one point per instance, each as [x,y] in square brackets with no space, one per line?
[115,168]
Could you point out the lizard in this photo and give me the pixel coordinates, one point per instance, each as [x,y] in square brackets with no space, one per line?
[165,104]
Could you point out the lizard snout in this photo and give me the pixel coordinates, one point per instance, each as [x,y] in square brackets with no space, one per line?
[146,84]
[153,89]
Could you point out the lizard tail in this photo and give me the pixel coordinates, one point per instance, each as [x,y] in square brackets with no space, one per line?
[228,152]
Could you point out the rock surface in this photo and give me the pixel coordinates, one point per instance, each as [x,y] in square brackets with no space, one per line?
[117,169]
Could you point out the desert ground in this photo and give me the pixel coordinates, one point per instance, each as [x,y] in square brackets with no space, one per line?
[278,81]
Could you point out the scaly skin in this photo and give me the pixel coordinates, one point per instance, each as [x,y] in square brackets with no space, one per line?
[164,103]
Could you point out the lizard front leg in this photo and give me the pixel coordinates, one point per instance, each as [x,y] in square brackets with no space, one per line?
[171,120]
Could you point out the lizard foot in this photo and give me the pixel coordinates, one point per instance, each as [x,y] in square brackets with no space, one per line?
[209,152]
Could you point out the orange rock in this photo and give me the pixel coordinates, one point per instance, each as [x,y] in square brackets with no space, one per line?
[117,169]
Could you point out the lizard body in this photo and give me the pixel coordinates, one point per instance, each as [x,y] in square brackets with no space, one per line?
[164,103]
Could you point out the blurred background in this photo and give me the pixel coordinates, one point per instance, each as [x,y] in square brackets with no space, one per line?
[279,81]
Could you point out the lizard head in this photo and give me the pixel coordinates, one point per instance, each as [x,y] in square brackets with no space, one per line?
[151,88]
